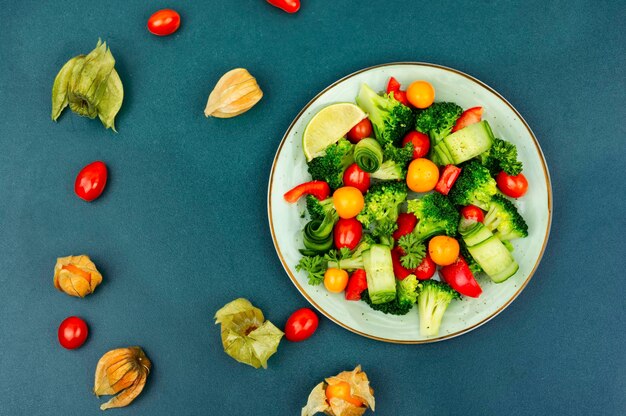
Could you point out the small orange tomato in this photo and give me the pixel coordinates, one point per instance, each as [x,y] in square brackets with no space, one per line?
[335,280]
[341,391]
[348,201]
[443,250]
[422,175]
[420,94]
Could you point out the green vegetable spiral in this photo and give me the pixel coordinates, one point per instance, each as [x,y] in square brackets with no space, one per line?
[368,154]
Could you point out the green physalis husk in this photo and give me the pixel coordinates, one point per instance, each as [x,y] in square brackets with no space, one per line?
[90,85]
[246,335]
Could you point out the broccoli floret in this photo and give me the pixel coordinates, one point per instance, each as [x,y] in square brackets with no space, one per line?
[390,119]
[389,171]
[318,209]
[504,220]
[414,251]
[469,259]
[392,308]
[396,163]
[315,266]
[331,166]
[407,290]
[438,120]
[502,156]
[474,186]
[381,209]
[432,302]
[435,215]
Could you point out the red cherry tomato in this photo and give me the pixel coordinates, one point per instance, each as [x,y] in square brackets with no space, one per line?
[362,130]
[301,325]
[91,181]
[421,143]
[356,177]
[356,285]
[290,6]
[347,233]
[73,332]
[513,186]
[164,22]
[472,212]
[460,278]
[426,269]
[406,223]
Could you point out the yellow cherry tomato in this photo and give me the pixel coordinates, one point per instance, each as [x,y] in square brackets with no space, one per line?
[420,94]
[422,175]
[335,280]
[443,250]
[341,391]
[348,201]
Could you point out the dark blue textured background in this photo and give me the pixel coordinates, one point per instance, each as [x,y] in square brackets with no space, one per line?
[182,227]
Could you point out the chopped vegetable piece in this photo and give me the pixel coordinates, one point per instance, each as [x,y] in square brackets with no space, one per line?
[459,276]
[318,189]
[502,156]
[356,285]
[469,116]
[390,119]
[432,302]
[446,180]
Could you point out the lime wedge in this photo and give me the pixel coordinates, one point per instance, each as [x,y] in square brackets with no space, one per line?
[329,125]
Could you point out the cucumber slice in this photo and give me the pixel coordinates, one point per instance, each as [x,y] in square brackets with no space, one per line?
[477,234]
[381,282]
[469,142]
[494,258]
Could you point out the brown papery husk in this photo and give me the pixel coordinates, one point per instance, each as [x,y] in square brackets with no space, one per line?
[235,93]
[123,371]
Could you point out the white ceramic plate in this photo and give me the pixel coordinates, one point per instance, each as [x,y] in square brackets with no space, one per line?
[290,169]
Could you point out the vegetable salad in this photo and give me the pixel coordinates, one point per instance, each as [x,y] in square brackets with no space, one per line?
[416,187]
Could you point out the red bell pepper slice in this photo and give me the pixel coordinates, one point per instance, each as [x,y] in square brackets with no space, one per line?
[406,223]
[318,189]
[400,96]
[393,85]
[459,276]
[469,116]
[446,180]
[356,285]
